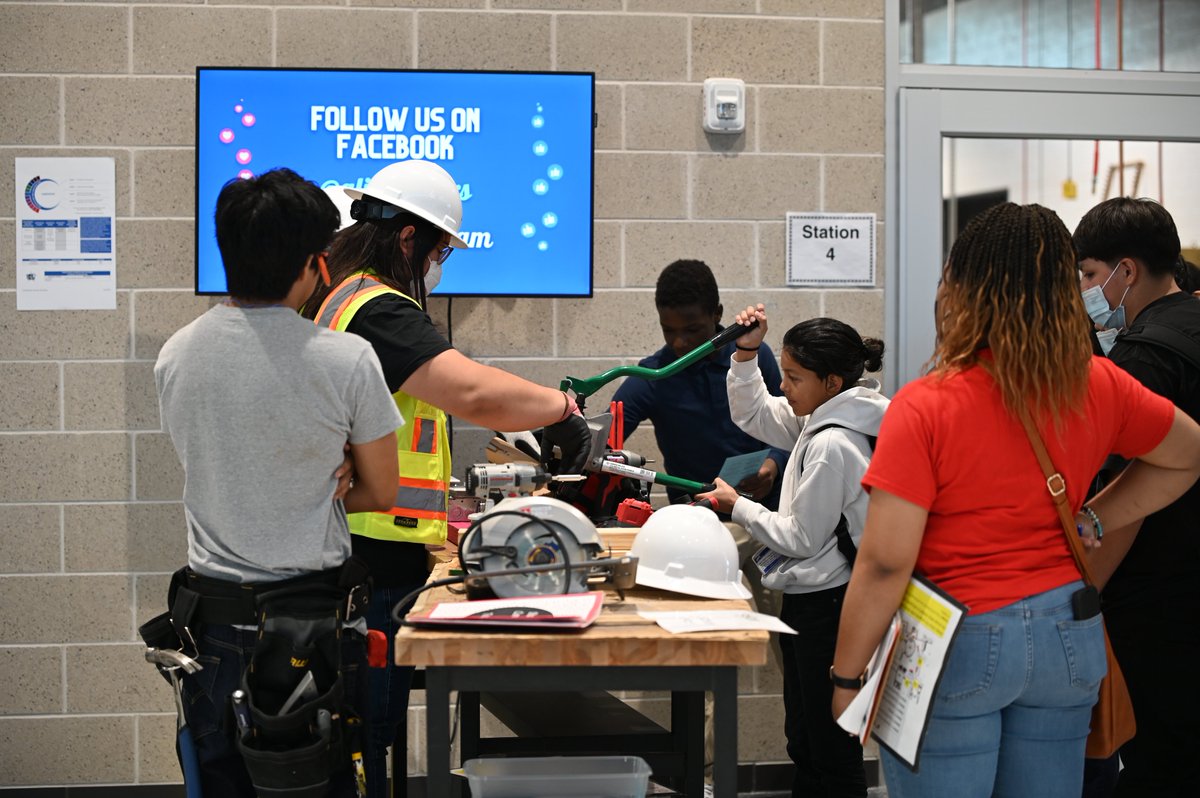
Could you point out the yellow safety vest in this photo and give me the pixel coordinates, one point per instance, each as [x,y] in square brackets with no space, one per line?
[418,514]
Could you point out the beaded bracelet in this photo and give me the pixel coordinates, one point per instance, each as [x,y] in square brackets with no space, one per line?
[1095,519]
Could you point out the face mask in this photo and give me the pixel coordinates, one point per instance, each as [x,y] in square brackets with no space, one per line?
[1098,309]
[1107,338]
[433,276]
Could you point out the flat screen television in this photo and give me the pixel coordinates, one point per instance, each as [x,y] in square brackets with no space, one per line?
[519,145]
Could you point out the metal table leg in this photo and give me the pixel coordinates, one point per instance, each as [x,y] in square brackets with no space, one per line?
[687,730]
[437,731]
[725,732]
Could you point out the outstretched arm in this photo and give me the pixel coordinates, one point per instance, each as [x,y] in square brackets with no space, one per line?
[487,396]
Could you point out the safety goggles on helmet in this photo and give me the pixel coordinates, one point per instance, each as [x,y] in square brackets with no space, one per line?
[362,210]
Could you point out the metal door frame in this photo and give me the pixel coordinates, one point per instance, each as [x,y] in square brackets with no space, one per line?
[927,103]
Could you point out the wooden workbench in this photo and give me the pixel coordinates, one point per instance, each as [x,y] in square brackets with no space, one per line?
[621,651]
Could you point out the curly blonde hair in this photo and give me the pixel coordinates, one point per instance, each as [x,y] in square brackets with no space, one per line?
[1011,285]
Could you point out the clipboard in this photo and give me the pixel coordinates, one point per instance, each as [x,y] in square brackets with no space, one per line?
[895,704]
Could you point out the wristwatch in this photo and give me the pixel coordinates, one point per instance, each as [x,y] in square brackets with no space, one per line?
[847,684]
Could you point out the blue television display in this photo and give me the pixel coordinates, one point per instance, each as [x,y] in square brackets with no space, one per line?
[519,145]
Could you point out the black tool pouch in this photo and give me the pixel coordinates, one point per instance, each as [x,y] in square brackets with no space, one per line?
[293,753]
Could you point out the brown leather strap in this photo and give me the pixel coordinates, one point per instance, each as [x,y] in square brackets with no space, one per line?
[1057,487]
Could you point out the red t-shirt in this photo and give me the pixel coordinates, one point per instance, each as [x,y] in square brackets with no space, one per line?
[993,535]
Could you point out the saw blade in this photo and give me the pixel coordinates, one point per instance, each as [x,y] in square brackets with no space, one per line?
[533,544]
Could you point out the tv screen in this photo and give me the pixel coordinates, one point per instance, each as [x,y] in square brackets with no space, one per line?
[519,145]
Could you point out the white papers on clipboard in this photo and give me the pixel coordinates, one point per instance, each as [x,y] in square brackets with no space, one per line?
[894,704]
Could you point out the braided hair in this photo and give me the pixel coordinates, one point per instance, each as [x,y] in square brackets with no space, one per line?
[828,346]
[1011,285]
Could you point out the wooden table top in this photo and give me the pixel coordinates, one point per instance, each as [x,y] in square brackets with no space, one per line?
[618,637]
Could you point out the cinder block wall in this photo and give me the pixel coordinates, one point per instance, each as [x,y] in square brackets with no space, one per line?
[90,519]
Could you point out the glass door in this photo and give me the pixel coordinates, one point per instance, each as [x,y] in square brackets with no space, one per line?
[965,146]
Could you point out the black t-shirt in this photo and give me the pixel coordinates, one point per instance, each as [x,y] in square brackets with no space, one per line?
[1165,557]
[402,334]
[404,339]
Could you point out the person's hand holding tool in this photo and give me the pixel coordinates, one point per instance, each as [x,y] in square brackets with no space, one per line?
[572,435]
[725,495]
[750,340]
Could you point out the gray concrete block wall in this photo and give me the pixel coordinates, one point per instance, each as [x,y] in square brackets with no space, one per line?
[90,519]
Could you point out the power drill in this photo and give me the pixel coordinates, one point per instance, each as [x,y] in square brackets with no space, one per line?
[505,479]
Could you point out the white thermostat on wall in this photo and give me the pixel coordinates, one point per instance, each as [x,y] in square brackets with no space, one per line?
[724,105]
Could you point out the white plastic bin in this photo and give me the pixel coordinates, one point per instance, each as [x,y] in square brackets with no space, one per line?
[558,777]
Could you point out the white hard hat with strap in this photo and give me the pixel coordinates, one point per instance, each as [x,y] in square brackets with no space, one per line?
[422,188]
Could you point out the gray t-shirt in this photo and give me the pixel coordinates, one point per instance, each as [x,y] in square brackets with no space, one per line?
[259,403]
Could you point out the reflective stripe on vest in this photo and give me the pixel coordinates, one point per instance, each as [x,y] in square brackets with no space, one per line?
[418,514]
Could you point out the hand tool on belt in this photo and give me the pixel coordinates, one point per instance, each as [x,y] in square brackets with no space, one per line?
[169,663]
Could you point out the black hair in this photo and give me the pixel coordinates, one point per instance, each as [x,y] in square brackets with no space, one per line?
[374,243]
[1123,227]
[1187,276]
[267,227]
[687,283]
[828,346]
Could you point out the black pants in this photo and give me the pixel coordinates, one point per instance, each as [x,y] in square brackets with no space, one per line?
[1154,641]
[828,760]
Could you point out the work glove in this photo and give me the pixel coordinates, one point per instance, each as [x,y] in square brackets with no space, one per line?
[524,440]
[573,437]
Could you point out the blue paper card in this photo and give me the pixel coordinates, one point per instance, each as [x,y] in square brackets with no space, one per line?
[740,466]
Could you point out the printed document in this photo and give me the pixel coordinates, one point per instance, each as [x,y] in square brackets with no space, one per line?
[66,234]
[904,672]
[716,620]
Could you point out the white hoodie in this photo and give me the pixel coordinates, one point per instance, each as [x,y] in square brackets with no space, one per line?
[822,481]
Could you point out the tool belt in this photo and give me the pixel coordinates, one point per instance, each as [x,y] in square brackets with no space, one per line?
[300,730]
[295,727]
[194,600]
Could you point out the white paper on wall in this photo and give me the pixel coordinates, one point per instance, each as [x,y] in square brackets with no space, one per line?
[66,233]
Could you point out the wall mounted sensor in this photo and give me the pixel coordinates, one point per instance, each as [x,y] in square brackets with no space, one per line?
[724,105]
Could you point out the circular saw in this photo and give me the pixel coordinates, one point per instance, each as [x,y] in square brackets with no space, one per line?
[532,531]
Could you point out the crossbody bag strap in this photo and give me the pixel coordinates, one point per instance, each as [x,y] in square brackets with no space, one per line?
[1057,486]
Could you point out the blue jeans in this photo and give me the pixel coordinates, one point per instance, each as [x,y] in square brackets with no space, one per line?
[225,651]
[388,690]
[1011,714]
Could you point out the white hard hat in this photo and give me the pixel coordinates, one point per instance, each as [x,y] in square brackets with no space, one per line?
[687,549]
[343,202]
[422,188]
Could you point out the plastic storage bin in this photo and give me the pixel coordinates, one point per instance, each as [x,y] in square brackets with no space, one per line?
[558,777]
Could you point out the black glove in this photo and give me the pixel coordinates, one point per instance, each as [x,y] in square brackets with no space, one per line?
[573,437]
